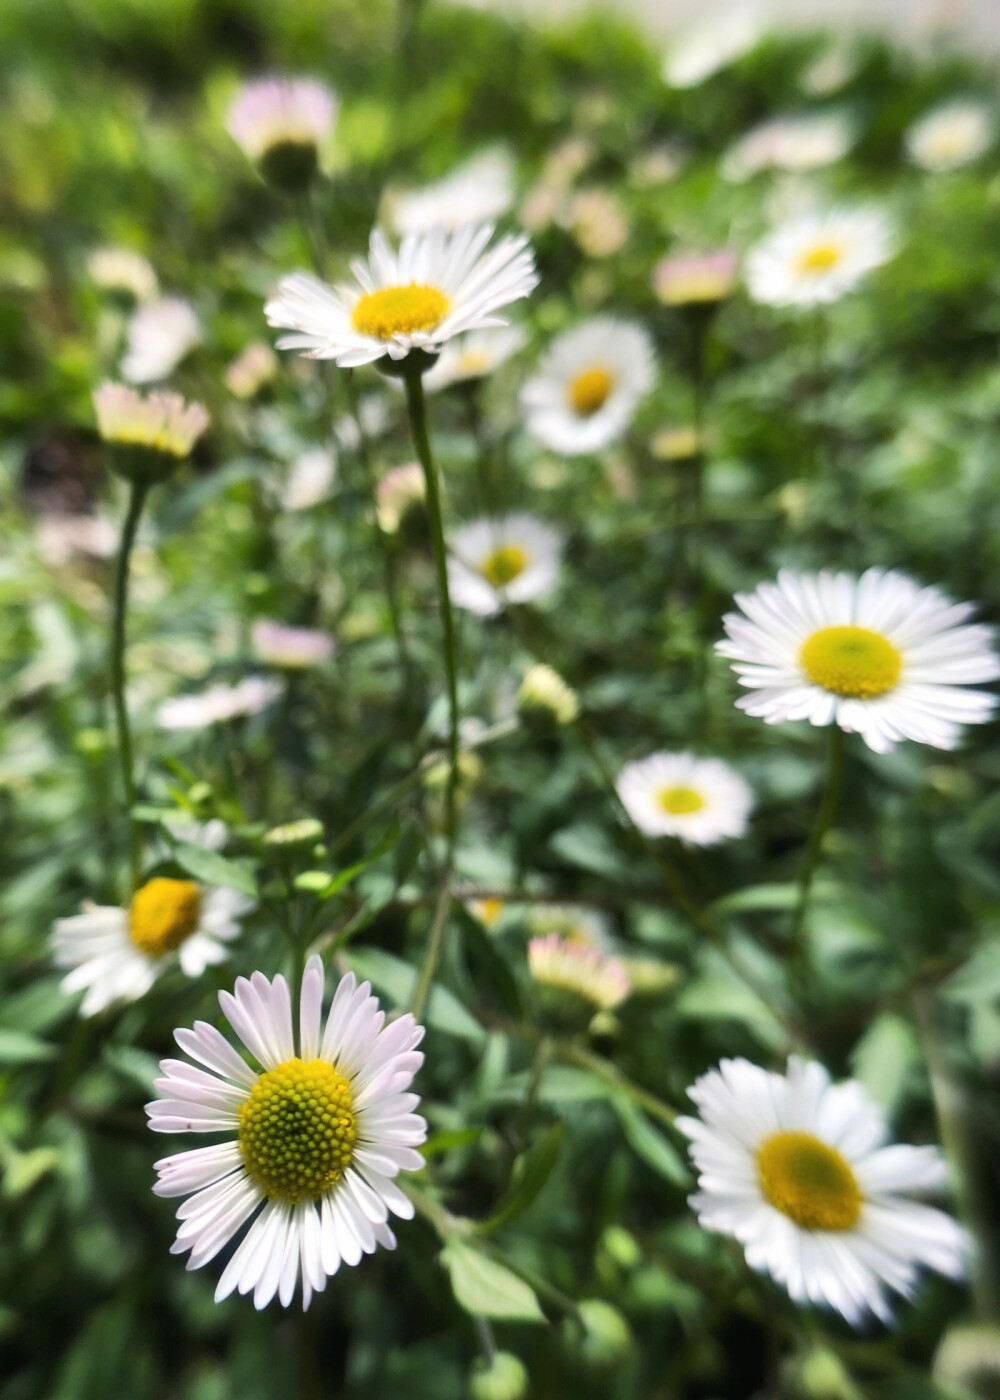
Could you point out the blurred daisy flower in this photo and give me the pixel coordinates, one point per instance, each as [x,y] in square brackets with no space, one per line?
[473,356]
[314,1137]
[218,703]
[436,286]
[817,258]
[252,370]
[479,191]
[150,433]
[295,648]
[878,655]
[797,1169]
[544,690]
[952,135]
[706,48]
[310,479]
[791,143]
[401,489]
[574,981]
[700,801]
[115,955]
[123,270]
[511,559]
[695,279]
[283,125]
[158,337]
[589,385]
[598,222]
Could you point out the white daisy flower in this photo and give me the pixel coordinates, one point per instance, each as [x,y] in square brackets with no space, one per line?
[473,356]
[512,559]
[158,337]
[575,979]
[296,648]
[479,191]
[283,125]
[123,270]
[701,801]
[116,955]
[218,703]
[952,135]
[310,479]
[706,48]
[790,143]
[158,422]
[797,1169]
[315,1136]
[817,258]
[879,655]
[589,385]
[437,285]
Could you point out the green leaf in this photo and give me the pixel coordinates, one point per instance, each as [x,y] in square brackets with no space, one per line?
[397,980]
[488,1289]
[650,1144]
[530,1173]
[212,869]
[761,899]
[134,1064]
[20,1048]
[588,847]
[883,1059]
[450,1141]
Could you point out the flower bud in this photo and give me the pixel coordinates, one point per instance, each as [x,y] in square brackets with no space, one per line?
[294,836]
[544,694]
[607,1337]
[502,1378]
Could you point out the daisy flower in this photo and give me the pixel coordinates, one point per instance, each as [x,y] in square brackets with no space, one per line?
[479,191]
[798,1170]
[512,559]
[282,126]
[701,801]
[400,490]
[293,647]
[695,279]
[817,258]
[879,655]
[589,385]
[156,425]
[116,955]
[438,285]
[123,270]
[706,48]
[219,702]
[473,356]
[314,1136]
[158,337]
[952,135]
[790,143]
[574,980]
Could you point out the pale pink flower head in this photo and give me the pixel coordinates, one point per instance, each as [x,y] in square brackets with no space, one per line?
[283,125]
[295,648]
[695,279]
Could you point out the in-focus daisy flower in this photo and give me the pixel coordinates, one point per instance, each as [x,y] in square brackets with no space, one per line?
[791,143]
[479,191]
[705,49]
[436,286]
[817,258]
[314,1137]
[158,337]
[218,703]
[283,126]
[252,369]
[589,385]
[295,648]
[510,559]
[799,1171]
[401,489]
[310,479]
[150,433]
[695,279]
[543,689]
[473,356]
[701,801]
[123,270]
[115,955]
[597,220]
[879,655]
[952,135]
[575,982]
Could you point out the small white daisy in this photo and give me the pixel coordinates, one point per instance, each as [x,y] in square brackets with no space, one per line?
[589,385]
[952,135]
[879,655]
[799,1171]
[283,125]
[158,337]
[117,954]
[218,703]
[437,285]
[701,801]
[158,422]
[123,270]
[473,356]
[790,143]
[479,191]
[706,48]
[512,559]
[295,648]
[817,258]
[315,1136]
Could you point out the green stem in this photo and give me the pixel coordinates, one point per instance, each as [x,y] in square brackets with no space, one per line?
[435,942]
[604,1069]
[797,949]
[137,499]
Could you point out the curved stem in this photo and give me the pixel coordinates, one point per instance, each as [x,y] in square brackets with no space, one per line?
[827,808]
[137,498]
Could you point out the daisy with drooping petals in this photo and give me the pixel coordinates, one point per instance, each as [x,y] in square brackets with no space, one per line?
[436,286]
[952,135]
[511,559]
[473,356]
[159,422]
[701,801]
[477,192]
[575,980]
[158,337]
[817,258]
[589,385]
[315,1136]
[115,955]
[879,655]
[282,125]
[797,1169]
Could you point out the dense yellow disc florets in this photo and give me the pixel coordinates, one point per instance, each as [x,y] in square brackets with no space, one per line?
[808,1181]
[681,801]
[821,258]
[851,661]
[504,565]
[589,391]
[162,914]
[297,1130]
[399,311]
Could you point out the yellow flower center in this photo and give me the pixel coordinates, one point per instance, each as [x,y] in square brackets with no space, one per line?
[808,1181]
[297,1130]
[821,257]
[851,661]
[489,911]
[681,801]
[504,565]
[162,914]
[588,392]
[399,311]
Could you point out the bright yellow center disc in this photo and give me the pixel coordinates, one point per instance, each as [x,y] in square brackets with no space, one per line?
[588,392]
[821,258]
[399,311]
[808,1181]
[162,914]
[680,801]
[851,661]
[297,1130]
[504,565]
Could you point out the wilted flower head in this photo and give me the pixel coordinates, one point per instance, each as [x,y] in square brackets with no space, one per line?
[295,648]
[282,125]
[252,369]
[695,279]
[952,135]
[122,270]
[478,191]
[543,689]
[218,703]
[151,432]
[398,492]
[791,143]
[158,337]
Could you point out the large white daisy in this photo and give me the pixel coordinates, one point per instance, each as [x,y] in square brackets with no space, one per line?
[589,385]
[315,1135]
[437,285]
[817,258]
[701,801]
[115,955]
[510,559]
[799,1171]
[879,655]
[952,135]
